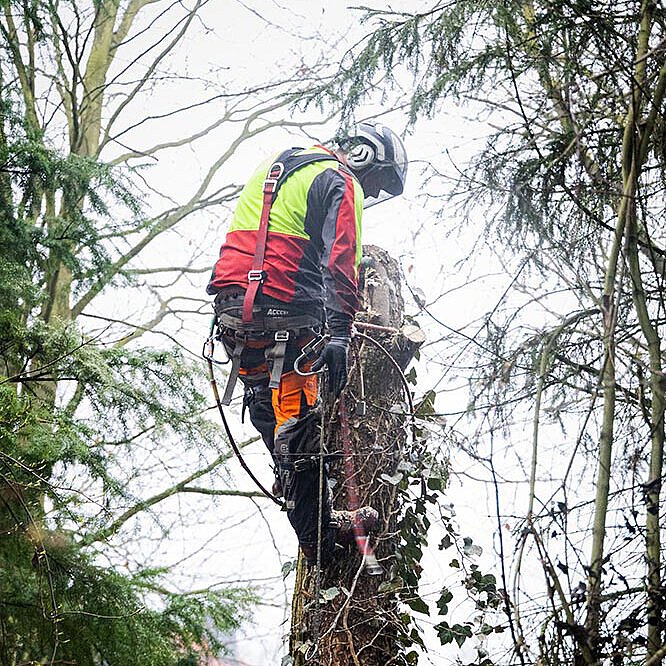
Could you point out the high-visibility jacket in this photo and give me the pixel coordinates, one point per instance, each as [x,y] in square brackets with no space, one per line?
[313,249]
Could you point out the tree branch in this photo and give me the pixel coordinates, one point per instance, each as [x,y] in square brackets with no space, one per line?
[179,487]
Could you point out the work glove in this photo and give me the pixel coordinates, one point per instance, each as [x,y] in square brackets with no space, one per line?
[334,357]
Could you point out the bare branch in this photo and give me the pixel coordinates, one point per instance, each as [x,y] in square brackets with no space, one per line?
[146,504]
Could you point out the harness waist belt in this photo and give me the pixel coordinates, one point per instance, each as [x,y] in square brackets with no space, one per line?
[232,318]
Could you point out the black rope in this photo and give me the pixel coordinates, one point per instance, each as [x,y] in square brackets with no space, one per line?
[316,629]
[403,379]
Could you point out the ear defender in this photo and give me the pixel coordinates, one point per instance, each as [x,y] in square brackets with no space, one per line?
[361,156]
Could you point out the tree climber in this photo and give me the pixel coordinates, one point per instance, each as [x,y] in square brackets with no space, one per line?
[287,271]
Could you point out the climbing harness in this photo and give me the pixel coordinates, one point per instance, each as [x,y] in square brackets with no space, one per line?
[276,332]
[276,176]
[250,322]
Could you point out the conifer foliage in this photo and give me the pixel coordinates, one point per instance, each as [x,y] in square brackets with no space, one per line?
[98,428]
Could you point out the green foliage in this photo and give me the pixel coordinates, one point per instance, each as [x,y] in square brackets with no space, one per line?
[55,600]
[434,45]
[420,482]
[78,413]
[52,204]
[545,75]
[458,633]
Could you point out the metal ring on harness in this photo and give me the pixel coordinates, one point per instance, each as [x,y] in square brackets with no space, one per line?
[208,351]
[310,351]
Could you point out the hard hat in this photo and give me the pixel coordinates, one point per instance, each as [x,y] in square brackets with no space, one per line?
[378,159]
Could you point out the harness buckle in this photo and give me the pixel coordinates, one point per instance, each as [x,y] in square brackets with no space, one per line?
[256,276]
[281,336]
[274,175]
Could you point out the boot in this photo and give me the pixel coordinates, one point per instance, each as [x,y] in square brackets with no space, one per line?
[366,517]
[329,552]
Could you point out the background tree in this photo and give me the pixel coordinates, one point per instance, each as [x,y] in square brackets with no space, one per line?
[569,189]
[99,429]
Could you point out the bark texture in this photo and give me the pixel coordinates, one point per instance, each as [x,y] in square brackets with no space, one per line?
[347,618]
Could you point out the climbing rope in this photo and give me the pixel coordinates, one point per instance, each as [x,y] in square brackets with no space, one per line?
[401,374]
[316,628]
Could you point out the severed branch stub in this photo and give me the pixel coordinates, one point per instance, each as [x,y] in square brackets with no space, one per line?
[348,617]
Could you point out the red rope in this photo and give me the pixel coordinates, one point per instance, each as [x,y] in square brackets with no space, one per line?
[361,538]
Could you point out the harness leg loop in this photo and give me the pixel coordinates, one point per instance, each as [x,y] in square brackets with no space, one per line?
[234,372]
[277,353]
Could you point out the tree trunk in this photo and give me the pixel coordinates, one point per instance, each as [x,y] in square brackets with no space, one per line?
[357,621]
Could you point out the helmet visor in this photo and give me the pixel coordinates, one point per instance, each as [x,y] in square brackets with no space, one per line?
[382,181]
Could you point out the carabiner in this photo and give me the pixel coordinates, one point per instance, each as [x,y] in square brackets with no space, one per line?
[310,351]
[208,351]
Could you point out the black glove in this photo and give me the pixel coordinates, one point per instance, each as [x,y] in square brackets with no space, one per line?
[334,357]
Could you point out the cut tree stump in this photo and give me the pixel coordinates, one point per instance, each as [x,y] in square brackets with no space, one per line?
[356,621]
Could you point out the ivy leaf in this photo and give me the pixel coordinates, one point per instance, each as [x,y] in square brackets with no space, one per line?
[415,636]
[406,466]
[330,593]
[461,633]
[411,376]
[444,633]
[443,602]
[417,604]
[426,406]
[470,548]
[488,583]
[458,633]
[446,542]
[436,483]
[391,585]
[287,568]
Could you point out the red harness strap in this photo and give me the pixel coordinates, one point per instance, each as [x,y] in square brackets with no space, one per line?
[276,175]
[257,275]
[372,566]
